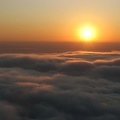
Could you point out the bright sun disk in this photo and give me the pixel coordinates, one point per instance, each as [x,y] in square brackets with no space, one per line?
[87,34]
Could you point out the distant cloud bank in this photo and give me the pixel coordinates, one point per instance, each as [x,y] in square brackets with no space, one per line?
[65,86]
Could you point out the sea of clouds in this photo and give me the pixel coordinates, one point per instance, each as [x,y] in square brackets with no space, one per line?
[65,86]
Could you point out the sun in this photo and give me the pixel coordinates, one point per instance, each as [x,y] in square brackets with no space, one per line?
[87,33]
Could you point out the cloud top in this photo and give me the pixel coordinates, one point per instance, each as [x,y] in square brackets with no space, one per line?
[65,86]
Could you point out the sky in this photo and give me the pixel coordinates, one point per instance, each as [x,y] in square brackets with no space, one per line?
[75,77]
[58,20]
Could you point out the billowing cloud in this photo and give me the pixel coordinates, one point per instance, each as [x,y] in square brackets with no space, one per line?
[65,86]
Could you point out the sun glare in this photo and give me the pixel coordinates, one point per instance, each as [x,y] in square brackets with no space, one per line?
[87,34]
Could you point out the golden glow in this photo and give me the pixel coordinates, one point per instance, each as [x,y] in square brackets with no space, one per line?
[87,33]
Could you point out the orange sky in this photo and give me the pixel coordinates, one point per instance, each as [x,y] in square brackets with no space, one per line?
[54,20]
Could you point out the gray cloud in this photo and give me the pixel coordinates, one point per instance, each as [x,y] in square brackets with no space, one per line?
[66,86]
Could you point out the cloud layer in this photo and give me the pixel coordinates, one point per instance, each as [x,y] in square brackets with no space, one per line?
[65,86]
